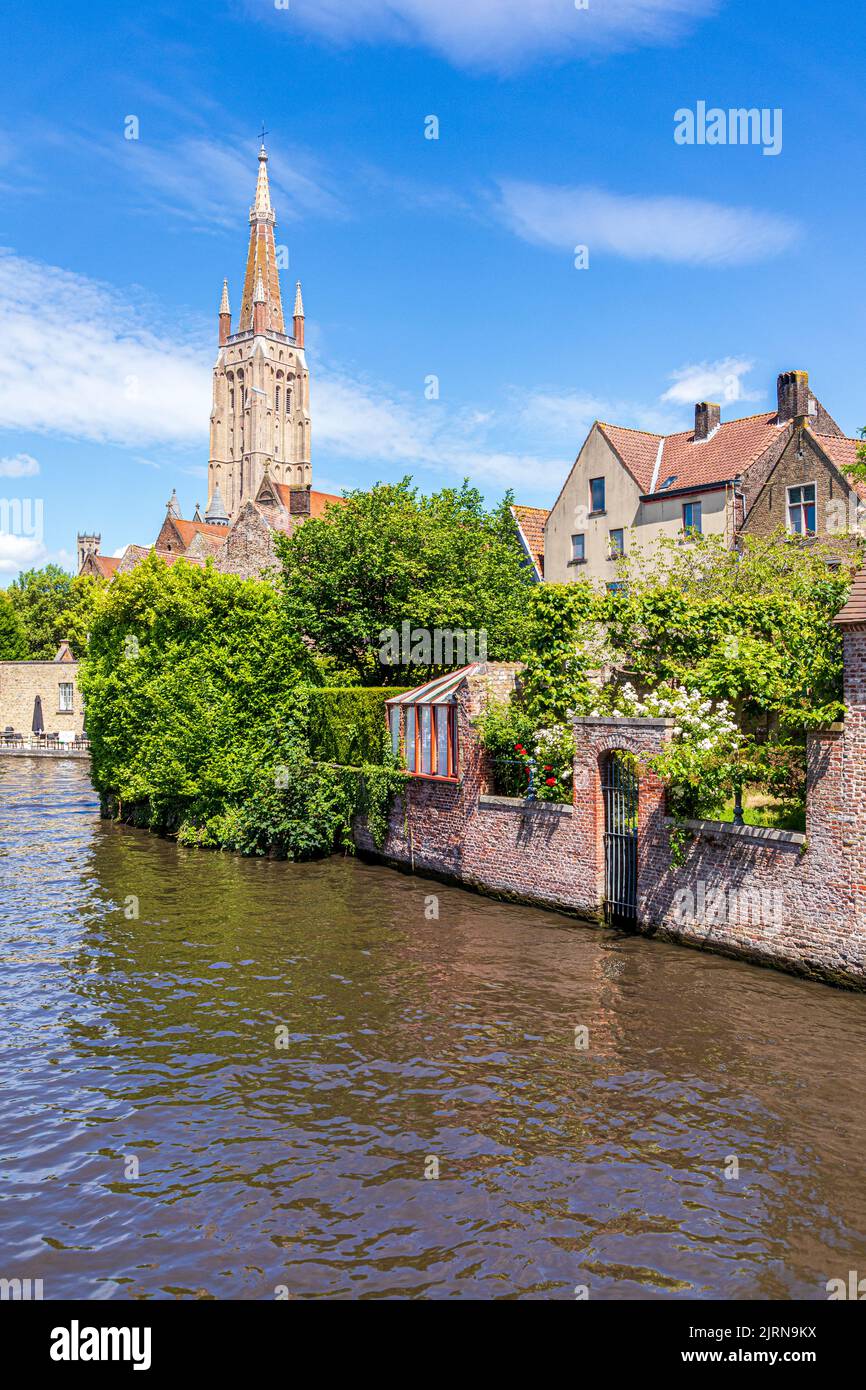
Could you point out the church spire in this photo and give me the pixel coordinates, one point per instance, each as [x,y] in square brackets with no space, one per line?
[262,257]
[299,316]
[225,315]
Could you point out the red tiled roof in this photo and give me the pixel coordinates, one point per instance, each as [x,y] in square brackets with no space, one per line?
[107,564]
[188,530]
[728,452]
[318,500]
[638,450]
[844,453]
[531,521]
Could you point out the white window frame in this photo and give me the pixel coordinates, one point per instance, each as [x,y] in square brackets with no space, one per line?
[64,707]
[794,487]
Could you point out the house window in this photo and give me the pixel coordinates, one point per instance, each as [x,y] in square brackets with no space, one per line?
[801,509]
[578,548]
[692,518]
[617,543]
[394,720]
[596,494]
[65,690]
[430,739]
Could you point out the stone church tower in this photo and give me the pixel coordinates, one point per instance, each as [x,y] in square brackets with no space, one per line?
[261,385]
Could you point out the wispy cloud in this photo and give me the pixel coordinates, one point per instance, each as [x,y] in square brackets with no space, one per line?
[111,380]
[715,381]
[496,35]
[689,231]
[106,378]
[19,466]
[207,182]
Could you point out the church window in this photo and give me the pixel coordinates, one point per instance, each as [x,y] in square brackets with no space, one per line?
[278,400]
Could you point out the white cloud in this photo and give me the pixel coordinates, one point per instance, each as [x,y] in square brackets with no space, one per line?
[496,34]
[359,421]
[207,181]
[689,231]
[106,378]
[19,466]
[714,381]
[110,380]
[20,553]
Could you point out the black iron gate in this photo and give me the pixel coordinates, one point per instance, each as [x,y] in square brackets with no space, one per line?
[620,789]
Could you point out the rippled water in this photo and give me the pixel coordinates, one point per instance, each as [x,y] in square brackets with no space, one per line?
[408,1040]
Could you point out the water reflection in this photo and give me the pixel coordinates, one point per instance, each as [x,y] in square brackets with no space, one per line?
[153,1039]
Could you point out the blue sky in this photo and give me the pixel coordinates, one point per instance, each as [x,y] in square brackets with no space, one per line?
[711,268]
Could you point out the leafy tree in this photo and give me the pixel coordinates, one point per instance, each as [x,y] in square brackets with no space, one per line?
[391,556]
[41,597]
[189,683]
[13,640]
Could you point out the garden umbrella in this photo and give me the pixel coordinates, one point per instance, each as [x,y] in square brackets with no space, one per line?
[38,721]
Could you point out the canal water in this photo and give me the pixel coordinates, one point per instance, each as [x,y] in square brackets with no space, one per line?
[155,1141]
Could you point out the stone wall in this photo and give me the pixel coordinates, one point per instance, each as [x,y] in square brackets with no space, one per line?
[780,898]
[22,681]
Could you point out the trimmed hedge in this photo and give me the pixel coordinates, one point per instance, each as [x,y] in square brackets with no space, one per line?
[347,726]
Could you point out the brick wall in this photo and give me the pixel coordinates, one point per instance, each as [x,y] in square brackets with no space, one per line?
[22,681]
[776,897]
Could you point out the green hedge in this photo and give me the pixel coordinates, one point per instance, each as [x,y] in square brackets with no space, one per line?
[348,726]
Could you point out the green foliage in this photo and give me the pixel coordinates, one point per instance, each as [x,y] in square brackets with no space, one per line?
[51,606]
[753,629]
[565,646]
[200,708]
[190,684]
[13,640]
[349,726]
[391,556]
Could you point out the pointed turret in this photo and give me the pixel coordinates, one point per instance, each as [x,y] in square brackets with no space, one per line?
[259,305]
[216,514]
[172,507]
[299,316]
[197,514]
[225,315]
[262,257]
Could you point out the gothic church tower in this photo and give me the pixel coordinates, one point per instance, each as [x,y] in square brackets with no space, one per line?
[261,384]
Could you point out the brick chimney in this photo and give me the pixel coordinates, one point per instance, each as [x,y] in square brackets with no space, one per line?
[708,417]
[299,501]
[792,389]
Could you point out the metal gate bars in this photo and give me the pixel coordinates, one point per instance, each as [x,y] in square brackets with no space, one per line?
[619,786]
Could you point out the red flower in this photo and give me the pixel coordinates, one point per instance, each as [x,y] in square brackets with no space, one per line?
[551,782]
[547,767]
[519,748]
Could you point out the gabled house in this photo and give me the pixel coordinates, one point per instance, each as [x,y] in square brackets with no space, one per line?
[752,475]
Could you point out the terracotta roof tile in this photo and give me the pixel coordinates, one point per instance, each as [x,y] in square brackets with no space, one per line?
[531,521]
[107,564]
[188,530]
[686,462]
[638,450]
[844,453]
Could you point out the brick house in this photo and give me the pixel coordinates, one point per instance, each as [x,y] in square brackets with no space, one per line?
[751,476]
[56,684]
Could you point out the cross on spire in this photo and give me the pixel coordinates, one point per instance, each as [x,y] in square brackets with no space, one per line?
[264,133]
